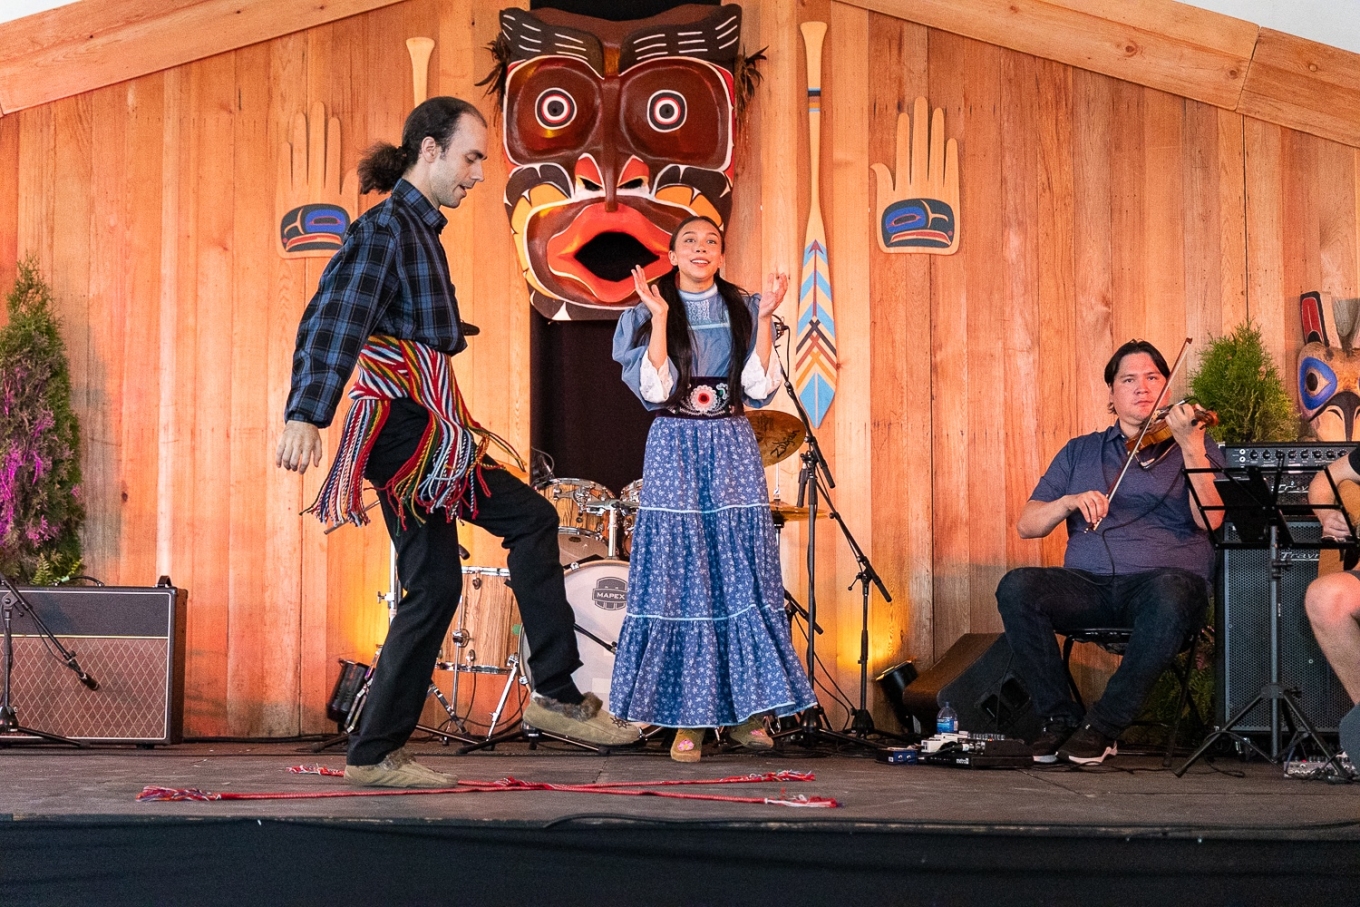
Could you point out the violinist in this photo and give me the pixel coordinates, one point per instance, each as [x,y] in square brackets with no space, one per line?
[1144,567]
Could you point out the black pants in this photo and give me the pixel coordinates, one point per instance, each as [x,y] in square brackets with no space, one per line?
[1162,607]
[431,576]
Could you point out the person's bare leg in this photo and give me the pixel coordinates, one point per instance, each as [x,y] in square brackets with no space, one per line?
[1333,605]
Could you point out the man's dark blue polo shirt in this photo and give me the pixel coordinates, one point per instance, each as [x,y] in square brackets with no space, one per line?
[1150,524]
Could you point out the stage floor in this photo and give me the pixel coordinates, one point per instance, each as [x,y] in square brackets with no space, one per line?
[1227,832]
[1127,793]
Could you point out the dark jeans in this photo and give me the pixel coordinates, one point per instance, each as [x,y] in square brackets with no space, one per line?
[1162,607]
[431,576]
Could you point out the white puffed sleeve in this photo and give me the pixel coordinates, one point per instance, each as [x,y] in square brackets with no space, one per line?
[654,385]
[761,383]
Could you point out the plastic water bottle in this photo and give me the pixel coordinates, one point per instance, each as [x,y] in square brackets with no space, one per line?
[947,721]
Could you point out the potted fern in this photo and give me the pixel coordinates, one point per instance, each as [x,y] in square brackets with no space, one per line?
[1238,380]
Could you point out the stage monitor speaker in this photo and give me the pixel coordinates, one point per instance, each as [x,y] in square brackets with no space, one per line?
[130,639]
[1243,630]
[976,677]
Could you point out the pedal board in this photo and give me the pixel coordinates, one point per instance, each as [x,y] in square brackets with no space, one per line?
[997,752]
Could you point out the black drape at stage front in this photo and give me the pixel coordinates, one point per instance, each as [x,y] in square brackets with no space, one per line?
[583,415]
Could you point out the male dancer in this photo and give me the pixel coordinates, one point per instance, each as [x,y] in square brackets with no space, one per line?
[387,303]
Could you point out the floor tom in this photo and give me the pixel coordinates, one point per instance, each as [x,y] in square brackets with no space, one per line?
[486,629]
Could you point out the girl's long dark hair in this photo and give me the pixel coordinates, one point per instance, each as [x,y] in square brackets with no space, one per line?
[679,345]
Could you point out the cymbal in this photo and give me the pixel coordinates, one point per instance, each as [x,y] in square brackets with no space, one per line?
[777,434]
[788,513]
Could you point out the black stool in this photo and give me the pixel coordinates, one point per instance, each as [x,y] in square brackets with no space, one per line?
[1115,640]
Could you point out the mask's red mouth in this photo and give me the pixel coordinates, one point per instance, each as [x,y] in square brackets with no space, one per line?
[590,252]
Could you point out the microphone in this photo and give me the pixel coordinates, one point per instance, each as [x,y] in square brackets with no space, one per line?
[84,678]
[780,328]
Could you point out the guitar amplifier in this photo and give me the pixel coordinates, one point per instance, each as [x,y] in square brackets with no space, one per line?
[129,639]
[1243,632]
[1302,460]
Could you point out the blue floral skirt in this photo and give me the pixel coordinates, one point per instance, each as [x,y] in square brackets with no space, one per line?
[705,641]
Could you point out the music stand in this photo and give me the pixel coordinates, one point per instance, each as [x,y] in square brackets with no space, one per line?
[1252,507]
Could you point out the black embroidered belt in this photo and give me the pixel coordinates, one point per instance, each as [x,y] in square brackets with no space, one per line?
[707,398]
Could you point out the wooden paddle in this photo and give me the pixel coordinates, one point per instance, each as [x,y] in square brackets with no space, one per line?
[815,357]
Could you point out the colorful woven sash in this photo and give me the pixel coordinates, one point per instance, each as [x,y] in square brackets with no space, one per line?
[444,472]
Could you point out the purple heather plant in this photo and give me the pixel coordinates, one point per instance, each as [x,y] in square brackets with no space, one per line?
[40,509]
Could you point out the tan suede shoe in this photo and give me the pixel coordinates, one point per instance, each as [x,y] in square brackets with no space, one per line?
[751,734]
[587,721]
[688,744]
[398,769]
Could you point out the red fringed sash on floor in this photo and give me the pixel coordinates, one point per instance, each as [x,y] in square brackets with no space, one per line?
[615,788]
[444,472]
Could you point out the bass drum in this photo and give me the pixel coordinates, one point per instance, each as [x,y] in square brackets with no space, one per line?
[598,595]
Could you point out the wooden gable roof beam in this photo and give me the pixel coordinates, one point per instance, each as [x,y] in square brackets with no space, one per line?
[1304,85]
[1173,47]
[84,46]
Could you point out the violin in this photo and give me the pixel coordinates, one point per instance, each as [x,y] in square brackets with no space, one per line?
[1158,431]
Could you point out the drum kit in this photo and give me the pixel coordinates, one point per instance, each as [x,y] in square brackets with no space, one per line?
[595,531]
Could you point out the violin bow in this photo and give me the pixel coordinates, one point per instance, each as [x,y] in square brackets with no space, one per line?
[1147,423]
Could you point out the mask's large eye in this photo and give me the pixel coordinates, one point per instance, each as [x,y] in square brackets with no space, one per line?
[555,109]
[666,111]
[1317,384]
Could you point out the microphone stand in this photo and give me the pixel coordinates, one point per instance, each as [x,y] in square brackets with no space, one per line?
[812,722]
[9,718]
[861,721]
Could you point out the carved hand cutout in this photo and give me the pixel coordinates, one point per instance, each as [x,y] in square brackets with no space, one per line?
[314,207]
[919,212]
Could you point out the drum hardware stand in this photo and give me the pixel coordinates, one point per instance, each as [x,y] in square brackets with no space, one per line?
[460,729]
[610,647]
[9,718]
[524,733]
[1254,510]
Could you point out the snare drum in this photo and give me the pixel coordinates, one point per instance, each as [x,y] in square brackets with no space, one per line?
[582,517]
[486,630]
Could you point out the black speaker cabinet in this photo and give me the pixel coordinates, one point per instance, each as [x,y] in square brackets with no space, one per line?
[975,677]
[130,639]
[1243,618]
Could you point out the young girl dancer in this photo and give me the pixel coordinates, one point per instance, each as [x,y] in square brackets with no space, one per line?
[705,641]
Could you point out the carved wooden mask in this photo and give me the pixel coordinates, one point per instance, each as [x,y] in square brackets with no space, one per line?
[1329,376]
[617,132]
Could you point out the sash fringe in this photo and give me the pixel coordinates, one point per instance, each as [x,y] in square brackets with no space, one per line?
[445,470]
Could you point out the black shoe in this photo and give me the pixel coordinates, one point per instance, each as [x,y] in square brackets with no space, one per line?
[1044,748]
[1088,746]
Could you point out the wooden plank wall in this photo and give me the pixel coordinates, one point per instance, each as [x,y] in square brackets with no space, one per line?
[1093,210]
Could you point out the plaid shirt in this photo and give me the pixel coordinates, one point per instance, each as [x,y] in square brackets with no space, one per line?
[390,277]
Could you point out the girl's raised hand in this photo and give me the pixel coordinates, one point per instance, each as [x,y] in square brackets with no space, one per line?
[648,294]
[776,285]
